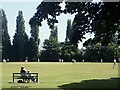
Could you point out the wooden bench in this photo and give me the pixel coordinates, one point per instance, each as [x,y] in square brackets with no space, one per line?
[18,76]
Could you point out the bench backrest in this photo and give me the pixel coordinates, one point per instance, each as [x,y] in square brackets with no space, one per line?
[19,74]
[26,73]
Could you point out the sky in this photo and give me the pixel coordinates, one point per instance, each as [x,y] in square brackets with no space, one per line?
[11,8]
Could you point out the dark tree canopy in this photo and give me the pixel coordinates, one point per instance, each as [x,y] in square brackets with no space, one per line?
[102,19]
[34,42]
[69,31]
[44,10]
[5,42]
[19,38]
[51,47]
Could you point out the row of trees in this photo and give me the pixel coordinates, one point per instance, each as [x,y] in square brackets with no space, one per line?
[98,18]
[24,47]
[53,49]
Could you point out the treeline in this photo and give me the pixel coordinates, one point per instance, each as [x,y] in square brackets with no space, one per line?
[23,47]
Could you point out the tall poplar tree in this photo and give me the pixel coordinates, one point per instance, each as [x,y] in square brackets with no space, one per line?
[51,51]
[0,36]
[19,38]
[69,51]
[6,43]
[34,41]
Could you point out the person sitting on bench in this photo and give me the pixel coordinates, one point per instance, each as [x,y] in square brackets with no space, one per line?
[29,76]
[23,73]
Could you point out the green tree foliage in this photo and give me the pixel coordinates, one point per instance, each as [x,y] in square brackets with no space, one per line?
[69,31]
[51,51]
[107,22]
[44,10]
[20,39]
[0,37]
[0,28]
[107,53]
[70,51]
[96,52]
[98,18]
[93,52]
[34,42]
[115,50]
[6,43]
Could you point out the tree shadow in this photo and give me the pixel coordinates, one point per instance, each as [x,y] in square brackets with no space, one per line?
[94,84]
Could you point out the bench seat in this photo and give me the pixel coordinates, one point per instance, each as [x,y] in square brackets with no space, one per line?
[18,76]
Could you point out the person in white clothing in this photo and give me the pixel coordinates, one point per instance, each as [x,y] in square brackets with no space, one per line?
[4,60]
[83,60]
[101,61]
[119,60]
[62,60]
[73,61]
[59,60]
[29,76]
[114,63]
[26,60]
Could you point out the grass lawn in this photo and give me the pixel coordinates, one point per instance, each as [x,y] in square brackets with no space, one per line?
[63,75]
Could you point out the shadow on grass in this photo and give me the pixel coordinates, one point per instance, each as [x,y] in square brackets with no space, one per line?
[94,84]
[17,88]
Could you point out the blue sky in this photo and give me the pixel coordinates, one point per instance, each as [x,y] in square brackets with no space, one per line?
[29,8]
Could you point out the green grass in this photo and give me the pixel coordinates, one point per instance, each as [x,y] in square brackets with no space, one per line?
[63,75]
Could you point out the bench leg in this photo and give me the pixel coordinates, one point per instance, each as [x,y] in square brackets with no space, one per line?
[13,79]
[37,80]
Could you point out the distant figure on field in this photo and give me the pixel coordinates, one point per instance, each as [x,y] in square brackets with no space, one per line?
[114,63]
[101,61]
[119,59]
[38,60]
[26,60]
[62,60]
[83,60]
[7,60]
[4,60]
[30,76]
[73,61]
